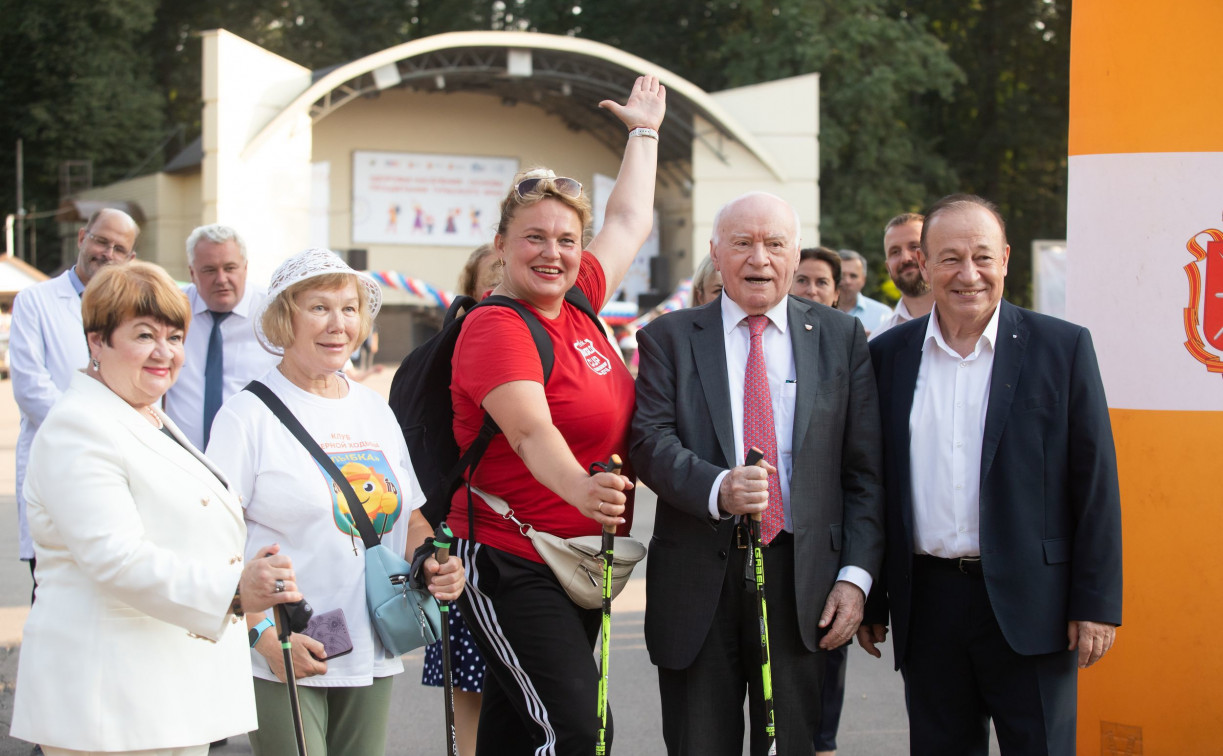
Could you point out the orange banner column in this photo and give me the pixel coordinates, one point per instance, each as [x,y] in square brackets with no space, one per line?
[1146,276]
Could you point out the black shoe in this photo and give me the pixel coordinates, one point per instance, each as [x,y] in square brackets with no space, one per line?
[219,743]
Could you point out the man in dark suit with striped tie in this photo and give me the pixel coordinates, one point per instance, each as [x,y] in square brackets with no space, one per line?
[755,367]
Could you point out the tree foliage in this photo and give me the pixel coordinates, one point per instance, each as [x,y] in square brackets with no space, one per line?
[917,99]
[874,66]
[78,87]
[1004,129]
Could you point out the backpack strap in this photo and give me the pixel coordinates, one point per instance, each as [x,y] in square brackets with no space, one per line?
[543,344]
[290,421]
[578,299]
[547,359]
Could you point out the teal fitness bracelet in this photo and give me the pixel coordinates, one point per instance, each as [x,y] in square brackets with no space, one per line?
[256,632]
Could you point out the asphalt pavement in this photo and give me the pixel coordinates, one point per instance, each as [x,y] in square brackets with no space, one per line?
[873,722]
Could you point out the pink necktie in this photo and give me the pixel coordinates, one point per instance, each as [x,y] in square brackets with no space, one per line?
[758,428]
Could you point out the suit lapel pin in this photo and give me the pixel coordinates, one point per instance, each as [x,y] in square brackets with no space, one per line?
[807,326]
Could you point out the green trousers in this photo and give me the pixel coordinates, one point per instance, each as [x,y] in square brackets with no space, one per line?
[336,721]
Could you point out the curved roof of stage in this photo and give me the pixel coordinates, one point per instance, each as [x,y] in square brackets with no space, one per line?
[564,76]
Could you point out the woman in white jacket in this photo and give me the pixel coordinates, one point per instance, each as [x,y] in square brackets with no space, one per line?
[139,544]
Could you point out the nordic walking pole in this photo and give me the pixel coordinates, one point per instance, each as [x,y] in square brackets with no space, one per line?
[286,625]
[442,538]
[283,630]
[606,553]
[754,457]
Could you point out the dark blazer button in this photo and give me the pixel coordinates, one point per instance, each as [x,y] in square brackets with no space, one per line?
[721,553]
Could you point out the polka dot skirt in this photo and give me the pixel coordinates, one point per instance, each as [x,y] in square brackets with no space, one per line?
[466,662]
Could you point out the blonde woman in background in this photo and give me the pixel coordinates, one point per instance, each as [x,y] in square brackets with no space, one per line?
[706,283]
[481,274]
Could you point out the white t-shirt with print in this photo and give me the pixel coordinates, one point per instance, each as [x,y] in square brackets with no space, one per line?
[291,500]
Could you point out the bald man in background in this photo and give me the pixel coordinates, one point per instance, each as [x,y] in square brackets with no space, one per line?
[47,337]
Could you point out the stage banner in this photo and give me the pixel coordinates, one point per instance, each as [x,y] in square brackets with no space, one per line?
[1145,274]
[427,200]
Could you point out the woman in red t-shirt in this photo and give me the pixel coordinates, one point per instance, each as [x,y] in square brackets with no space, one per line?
[541,683]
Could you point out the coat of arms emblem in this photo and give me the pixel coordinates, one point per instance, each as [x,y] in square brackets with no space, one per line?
[1204,315]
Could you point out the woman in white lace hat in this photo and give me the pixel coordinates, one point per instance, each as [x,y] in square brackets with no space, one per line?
[317,311]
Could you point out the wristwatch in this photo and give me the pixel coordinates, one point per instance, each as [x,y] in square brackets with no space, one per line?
[256,632]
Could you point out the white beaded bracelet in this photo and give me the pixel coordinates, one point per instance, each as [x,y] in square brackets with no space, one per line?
[642,131]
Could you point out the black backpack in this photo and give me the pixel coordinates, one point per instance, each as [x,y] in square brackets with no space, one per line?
[420,399]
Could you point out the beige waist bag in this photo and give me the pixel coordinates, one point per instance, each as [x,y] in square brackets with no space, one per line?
[575,561]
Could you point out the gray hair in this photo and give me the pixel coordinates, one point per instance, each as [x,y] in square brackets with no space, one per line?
[717,219]
[849,254]
[217,234]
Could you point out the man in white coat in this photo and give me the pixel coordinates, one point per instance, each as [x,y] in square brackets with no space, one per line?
[222,354]
[47,338]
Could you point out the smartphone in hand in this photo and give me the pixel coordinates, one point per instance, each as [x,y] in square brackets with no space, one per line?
[330,629]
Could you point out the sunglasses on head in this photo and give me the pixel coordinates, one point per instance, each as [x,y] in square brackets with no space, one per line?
[565,187]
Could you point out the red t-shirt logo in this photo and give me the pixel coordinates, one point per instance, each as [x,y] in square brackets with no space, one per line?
[594,359]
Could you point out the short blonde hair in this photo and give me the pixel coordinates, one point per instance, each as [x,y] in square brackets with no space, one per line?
[278,316]
[704,272]
[545,189]
[470,275]
[117,293]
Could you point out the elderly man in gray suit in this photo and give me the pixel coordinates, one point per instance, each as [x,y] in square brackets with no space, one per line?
[755,367]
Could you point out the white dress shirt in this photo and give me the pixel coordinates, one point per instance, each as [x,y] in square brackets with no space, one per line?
[245,360]
[946,427]
[899,315]
[779,365]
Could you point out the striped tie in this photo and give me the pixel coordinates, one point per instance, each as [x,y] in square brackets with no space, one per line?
[758,428]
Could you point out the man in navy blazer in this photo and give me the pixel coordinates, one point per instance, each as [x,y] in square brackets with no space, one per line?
[688,444]
[1003,564]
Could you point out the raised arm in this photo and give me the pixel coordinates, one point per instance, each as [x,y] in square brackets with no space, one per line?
[630,208]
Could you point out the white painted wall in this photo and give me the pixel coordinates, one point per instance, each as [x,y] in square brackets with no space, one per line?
[263,192]
[783,116]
